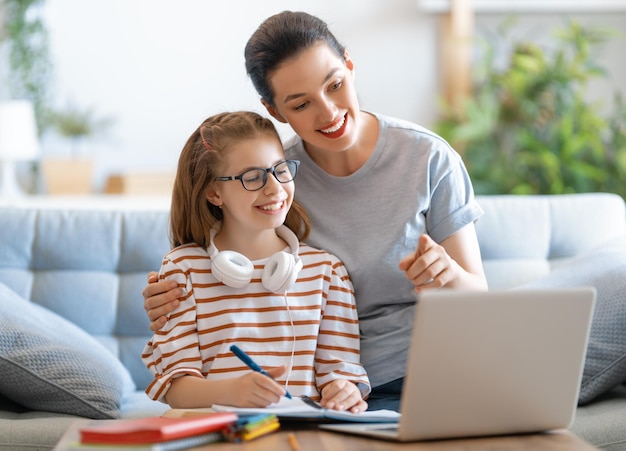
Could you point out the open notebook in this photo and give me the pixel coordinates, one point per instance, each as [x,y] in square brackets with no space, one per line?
[490,363]
[297,409]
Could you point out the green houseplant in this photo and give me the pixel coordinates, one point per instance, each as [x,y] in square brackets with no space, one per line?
[24,37]
[24,54]
[529,127]
[77,125]
[72,173]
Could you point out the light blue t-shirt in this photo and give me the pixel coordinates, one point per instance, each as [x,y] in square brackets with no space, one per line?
[412,183]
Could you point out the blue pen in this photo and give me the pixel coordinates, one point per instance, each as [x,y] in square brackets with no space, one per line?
[245,358]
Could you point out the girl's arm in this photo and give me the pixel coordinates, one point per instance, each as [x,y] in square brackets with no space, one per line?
[339,373]
[251,390]
[174,351]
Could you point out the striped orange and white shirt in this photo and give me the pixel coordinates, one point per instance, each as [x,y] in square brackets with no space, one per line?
[212,316]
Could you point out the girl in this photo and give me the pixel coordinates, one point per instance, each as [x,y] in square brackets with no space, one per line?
[391,199]
[248,281]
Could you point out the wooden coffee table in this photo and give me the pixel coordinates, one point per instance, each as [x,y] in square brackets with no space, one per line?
[309,438]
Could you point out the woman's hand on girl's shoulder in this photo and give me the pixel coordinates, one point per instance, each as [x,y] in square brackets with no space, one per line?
[160,298]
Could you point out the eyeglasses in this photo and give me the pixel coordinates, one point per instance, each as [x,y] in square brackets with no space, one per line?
[254,179]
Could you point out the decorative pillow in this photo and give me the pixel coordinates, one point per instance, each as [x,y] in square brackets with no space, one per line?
[48,363]
[605,269]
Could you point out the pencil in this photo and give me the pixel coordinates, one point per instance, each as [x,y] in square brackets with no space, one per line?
[293,442]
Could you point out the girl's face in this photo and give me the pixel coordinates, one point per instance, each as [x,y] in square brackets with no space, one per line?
[258,210]
[314,92]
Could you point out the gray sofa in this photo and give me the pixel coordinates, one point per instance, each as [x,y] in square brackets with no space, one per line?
[72,324]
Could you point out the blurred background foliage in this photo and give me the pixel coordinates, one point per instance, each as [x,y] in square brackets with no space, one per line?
[529,127]
[24,37]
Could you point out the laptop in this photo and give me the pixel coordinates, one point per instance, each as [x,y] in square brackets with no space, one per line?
[490,363]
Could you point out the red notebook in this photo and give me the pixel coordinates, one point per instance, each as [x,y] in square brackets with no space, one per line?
[154,429]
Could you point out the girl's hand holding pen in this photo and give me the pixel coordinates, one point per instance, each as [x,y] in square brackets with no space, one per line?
[257,390]
[269,375]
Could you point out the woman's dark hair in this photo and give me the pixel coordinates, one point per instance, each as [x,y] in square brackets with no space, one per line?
[203,157]
[280,37]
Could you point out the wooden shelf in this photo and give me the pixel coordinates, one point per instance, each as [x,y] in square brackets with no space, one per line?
[140,183]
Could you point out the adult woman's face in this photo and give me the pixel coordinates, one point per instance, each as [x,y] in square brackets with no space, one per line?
[314,92]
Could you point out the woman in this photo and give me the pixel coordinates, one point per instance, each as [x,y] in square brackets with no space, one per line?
[389,198]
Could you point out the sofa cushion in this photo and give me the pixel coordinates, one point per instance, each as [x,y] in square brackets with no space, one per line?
[48,363]
[602,421]
[605,269]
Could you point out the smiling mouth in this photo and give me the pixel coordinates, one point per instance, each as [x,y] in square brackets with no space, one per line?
[335,129]
[273,207]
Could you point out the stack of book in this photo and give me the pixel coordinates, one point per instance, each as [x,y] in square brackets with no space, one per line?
[157,433]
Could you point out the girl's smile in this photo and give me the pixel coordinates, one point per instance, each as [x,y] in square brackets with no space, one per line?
[273,208]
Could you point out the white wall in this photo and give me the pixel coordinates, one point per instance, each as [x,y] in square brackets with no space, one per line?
[160,67]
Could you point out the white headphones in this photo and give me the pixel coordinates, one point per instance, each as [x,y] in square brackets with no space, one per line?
[235,270]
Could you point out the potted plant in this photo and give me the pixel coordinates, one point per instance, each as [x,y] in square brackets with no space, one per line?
[72,174]
[529,127]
